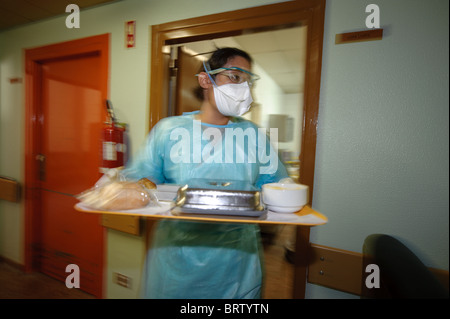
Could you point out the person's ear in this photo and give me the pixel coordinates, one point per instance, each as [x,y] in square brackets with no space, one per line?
[204,81]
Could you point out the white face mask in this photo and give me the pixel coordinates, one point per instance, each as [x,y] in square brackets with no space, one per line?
[233,99]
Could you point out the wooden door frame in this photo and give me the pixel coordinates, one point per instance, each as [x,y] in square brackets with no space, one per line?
[33,59]
[308,12]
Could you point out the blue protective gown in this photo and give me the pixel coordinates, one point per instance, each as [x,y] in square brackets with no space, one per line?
[204,260]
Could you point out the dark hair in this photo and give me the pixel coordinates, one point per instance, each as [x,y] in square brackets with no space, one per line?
[217,60]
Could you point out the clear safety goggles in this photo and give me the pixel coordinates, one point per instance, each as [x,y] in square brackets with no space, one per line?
[235,75]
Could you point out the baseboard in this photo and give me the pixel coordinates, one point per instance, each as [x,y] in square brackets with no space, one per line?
[441,275]
[343,270]
[12,263]
[335,268]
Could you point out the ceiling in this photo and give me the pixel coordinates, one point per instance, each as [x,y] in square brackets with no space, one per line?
[14,13]
[280,53]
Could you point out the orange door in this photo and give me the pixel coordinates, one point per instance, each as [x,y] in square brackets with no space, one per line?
[72,112]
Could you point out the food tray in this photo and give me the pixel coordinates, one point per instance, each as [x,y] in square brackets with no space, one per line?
[168,210]
[305,217]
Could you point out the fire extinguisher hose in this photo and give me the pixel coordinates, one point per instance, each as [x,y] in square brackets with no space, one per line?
[110,110]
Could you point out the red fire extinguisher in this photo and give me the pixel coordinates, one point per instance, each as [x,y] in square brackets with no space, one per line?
[114,142]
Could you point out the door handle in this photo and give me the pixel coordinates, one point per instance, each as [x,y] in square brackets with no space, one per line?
[41,162]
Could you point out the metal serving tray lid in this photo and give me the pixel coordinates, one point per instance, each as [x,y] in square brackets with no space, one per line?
[234,197]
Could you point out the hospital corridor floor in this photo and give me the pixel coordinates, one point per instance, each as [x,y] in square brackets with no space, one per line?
[15,284]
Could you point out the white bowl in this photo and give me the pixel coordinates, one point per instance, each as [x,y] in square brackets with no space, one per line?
[286,210]
[286,198]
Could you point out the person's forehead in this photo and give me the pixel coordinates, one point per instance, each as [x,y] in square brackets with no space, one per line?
[238,61]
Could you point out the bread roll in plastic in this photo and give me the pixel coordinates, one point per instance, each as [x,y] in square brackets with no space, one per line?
[119,195]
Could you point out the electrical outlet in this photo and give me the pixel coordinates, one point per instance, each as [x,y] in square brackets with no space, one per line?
[122,280]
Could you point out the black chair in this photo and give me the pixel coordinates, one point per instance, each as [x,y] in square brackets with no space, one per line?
[402,274]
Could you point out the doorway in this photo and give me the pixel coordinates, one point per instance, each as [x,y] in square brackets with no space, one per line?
[66,89]
[311,14]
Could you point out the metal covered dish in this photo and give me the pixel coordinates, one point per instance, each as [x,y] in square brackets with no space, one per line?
[217,197]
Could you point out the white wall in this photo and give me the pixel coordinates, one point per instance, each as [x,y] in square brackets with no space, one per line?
[382,161]
[383,144]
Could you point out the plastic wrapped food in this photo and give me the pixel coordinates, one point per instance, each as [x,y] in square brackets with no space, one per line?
[111,194]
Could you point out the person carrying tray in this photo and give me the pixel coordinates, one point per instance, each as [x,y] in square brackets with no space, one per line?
[195,260]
